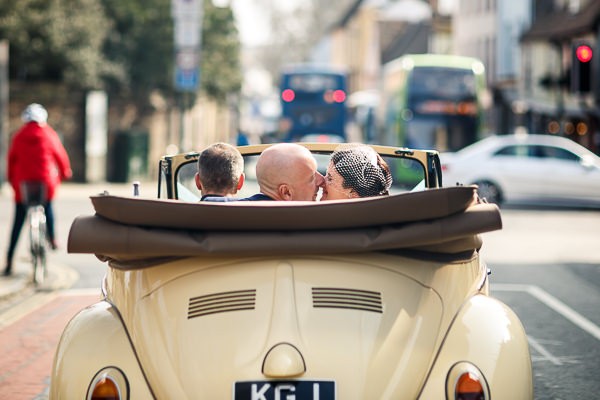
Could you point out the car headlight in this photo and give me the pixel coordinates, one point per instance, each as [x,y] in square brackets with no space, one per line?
[109,384]
[466,382]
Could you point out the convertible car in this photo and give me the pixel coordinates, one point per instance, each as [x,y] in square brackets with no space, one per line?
[377,298]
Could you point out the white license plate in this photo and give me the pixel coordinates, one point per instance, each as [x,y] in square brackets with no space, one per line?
[284,390]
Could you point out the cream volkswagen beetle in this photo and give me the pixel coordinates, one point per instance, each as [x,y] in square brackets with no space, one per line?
[378,298]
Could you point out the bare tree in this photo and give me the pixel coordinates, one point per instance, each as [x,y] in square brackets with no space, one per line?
[296,27]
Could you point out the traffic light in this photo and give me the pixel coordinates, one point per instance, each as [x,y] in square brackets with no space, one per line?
[581,67]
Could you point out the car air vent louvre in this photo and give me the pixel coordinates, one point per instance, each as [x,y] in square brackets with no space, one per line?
[221,302]
[365,300]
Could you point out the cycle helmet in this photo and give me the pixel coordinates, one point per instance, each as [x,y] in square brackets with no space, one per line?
[35,112]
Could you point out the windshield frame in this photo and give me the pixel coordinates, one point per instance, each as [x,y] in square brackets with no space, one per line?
[170,166]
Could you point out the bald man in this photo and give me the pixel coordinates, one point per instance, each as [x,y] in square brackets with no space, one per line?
[287,171]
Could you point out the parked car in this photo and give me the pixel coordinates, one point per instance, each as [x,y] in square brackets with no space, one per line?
[536,169]
[376,298]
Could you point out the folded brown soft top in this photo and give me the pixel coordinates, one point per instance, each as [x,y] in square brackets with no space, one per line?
[285,215]
[445,220]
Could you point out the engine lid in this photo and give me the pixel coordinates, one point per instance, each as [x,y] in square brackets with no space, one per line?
[369,329]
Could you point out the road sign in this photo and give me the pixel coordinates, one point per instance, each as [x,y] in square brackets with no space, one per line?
[187,58]
[186,9]
[187,15]
[187,80]
[187,33]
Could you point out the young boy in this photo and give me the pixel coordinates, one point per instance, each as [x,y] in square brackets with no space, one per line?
[220,172]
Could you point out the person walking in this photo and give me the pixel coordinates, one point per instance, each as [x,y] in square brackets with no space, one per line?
[35,154]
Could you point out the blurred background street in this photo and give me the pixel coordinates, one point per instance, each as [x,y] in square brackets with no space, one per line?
[173,76]
[128,81]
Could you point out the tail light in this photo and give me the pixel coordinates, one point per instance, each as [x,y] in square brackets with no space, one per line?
[106,389]
[339,96]
[334,96]
[466,382]
[468,387]
[288,95]
[109,384]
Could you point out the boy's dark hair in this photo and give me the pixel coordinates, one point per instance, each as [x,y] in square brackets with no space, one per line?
[219,168]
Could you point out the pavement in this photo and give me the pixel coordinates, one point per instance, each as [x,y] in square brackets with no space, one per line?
[60,276]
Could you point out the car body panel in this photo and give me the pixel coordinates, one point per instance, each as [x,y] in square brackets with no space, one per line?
[567,174]
[485,317]
[285,309]
[577,181]
[94,339]
[371,298]
[236,342]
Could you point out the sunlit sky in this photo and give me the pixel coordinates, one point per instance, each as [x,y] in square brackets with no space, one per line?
[252,23]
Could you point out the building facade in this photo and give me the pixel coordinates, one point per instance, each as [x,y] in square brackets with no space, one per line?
[551,105]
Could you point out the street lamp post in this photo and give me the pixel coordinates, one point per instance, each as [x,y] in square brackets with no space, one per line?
[187,15]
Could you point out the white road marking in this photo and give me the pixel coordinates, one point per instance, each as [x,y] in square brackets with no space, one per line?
[552,302]
[542,350]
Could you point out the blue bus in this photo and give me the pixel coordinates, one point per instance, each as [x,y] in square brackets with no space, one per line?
[313,103]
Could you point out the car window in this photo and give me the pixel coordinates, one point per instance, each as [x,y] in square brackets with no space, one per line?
[186,184]
[321,138]
[513,150]
[558,153]
[537,151]
[408,175]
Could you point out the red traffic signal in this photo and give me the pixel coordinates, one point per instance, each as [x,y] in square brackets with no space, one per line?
[581,67]
[584,53]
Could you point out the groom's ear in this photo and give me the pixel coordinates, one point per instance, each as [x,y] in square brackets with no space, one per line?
[285,192]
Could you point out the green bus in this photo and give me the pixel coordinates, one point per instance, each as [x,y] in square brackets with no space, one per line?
[432,101]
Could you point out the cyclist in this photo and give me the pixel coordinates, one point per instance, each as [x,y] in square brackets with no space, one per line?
[35,154]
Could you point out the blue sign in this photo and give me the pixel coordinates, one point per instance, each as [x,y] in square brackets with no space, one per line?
[187,80]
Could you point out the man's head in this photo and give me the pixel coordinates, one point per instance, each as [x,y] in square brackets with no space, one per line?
[288,171]
[35,112]
[220,170]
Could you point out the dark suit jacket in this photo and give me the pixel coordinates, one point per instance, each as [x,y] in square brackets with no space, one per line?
[257,197]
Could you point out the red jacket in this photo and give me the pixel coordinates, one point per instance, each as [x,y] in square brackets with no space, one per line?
[36,154]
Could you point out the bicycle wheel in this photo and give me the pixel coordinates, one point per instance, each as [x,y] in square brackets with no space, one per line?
[37,241]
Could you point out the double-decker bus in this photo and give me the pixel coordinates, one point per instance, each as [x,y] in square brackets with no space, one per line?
[432,101]
[313,103]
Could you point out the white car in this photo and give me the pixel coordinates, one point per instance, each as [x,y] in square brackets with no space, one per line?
[535,169]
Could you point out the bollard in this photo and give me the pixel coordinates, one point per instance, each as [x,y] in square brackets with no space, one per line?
[136,189]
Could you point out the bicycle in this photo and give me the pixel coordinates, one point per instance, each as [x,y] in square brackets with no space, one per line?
[34,197]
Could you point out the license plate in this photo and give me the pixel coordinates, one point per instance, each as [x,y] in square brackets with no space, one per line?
[284,390]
